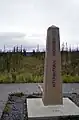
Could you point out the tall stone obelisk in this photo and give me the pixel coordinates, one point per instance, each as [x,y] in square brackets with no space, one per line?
[52,89]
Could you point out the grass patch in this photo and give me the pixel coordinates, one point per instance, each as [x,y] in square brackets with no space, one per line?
[7,108]
[31,78]
[30,70]
[70,79]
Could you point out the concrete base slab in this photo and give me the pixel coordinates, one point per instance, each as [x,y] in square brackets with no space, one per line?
[37,110]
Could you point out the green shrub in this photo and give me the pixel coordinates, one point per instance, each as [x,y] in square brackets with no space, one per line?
[70,79]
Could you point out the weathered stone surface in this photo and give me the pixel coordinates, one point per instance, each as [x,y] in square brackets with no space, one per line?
[52,90]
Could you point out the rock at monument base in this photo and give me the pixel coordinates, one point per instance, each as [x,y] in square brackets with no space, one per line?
[37,110]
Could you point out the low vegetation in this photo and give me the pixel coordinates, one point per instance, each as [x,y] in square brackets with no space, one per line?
[17,67]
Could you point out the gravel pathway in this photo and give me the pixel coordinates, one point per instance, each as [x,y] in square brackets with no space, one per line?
[17,106]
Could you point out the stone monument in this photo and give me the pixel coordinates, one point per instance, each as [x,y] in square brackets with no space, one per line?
[52,89]
[52,105]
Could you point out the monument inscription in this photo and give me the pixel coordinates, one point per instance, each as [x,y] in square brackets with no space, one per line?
[54,47]
[54,62]
[54,73]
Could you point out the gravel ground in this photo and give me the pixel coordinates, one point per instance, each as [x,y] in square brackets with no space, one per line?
[73,96]
[17,106]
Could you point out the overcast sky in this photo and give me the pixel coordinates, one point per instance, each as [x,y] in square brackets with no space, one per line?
[26,21]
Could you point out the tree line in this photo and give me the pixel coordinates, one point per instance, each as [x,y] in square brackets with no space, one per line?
[13,61]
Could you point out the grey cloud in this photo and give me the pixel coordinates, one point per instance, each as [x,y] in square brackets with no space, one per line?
[11,38]
[11,34]
[17,15]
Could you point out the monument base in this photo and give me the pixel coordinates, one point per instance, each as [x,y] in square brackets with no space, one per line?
[37,110]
